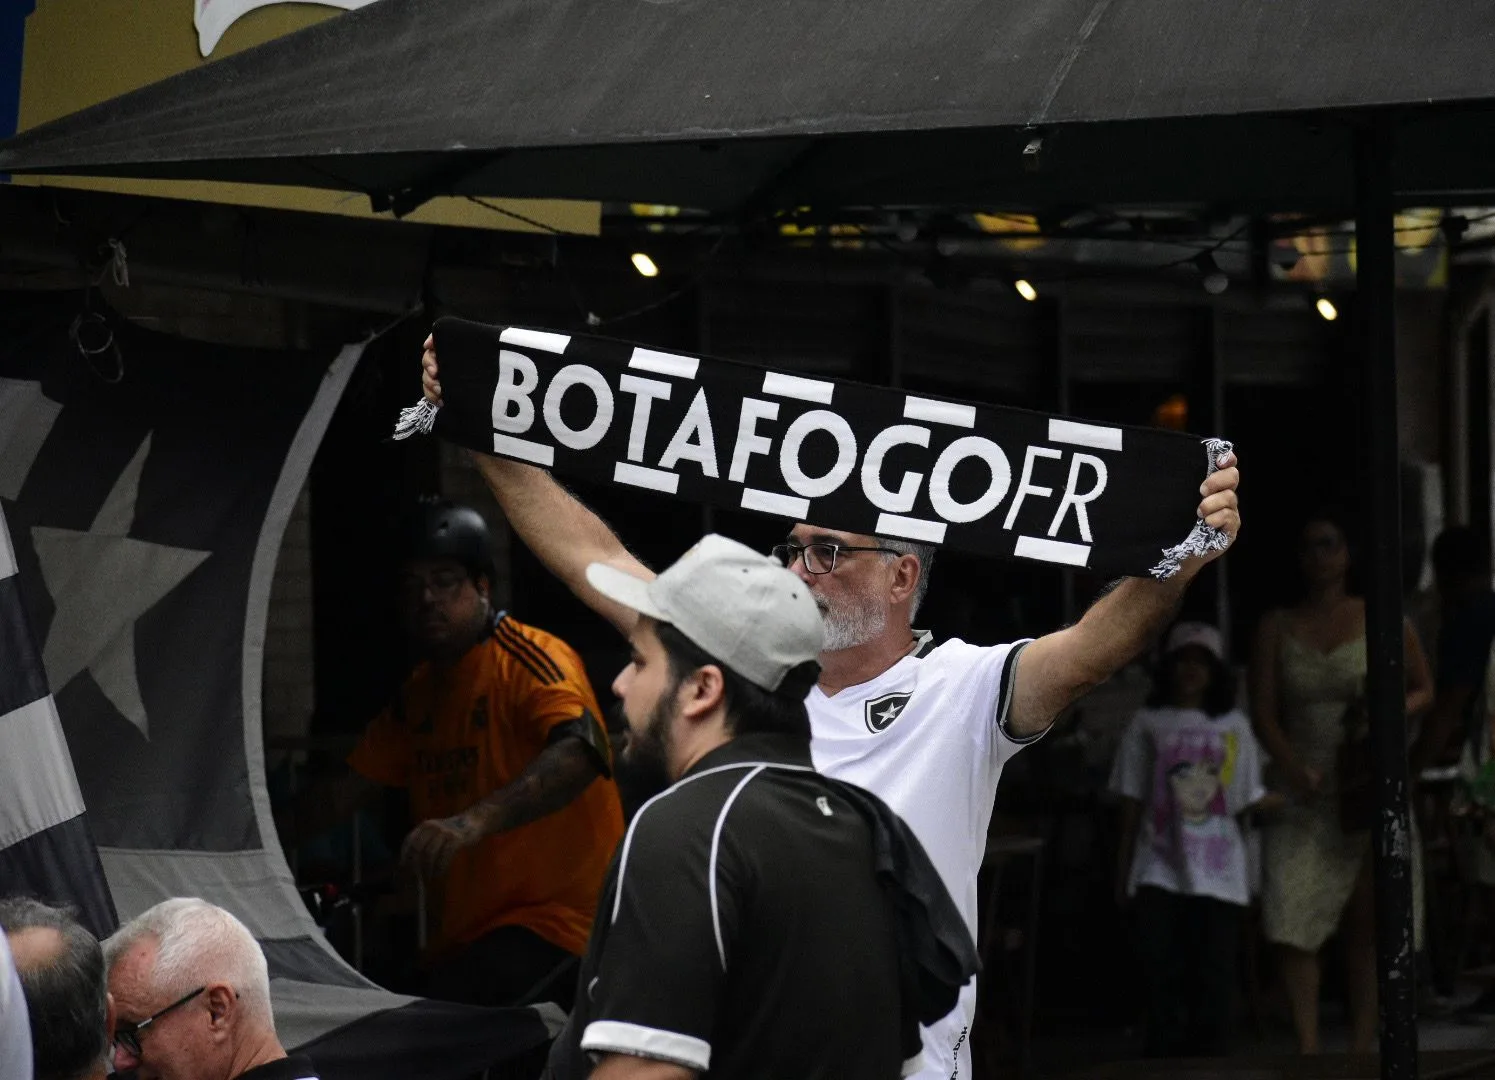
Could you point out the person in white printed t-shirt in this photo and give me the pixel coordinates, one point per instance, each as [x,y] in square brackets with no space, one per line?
[925,727]
[1187,768]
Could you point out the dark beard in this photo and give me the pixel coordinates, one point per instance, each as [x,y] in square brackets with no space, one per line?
[646,757]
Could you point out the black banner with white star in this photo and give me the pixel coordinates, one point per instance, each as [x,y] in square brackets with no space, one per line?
[148,480]
[136,526]
[988,479]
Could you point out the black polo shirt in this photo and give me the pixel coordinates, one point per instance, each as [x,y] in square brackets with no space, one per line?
[743,931]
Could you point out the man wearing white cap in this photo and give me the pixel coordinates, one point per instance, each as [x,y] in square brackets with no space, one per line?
[925,727]
[748,925]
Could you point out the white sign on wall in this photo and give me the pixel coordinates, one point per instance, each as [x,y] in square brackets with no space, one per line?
[213,17]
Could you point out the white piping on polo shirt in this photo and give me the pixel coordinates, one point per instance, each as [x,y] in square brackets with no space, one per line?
[716,842]
[616,1037]
[676,786]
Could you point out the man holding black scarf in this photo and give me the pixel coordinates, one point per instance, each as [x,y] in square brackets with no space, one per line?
[925,727]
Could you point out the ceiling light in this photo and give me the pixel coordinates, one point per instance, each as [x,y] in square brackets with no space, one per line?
[1326,308]
[1210,275]
[1025,289]
[644,265]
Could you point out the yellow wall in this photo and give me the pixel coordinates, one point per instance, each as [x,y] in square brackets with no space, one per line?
[81,52]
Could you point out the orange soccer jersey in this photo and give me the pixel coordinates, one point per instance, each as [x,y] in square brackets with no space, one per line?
[455,738]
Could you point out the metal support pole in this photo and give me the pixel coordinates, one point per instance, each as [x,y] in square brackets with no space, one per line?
[1391,835]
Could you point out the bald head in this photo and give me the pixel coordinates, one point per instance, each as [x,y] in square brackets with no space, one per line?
[36,946]
[61,968]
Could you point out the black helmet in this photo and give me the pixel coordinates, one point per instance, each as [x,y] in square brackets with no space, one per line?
[441,529]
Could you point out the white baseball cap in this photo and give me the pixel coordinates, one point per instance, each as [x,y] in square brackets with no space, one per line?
[1201,634]
[743,608]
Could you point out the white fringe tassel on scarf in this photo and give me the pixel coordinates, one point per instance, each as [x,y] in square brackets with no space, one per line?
[419,419]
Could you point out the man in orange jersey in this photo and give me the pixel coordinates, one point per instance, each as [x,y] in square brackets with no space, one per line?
[497,735]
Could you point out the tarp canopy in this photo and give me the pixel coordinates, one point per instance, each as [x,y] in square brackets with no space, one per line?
[759,104]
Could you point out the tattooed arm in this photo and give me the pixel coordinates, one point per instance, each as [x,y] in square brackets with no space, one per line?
[557,776]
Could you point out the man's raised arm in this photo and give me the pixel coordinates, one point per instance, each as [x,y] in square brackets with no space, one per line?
[1059,668]
[559,528]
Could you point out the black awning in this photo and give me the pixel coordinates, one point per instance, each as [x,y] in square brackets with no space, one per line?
[722,105]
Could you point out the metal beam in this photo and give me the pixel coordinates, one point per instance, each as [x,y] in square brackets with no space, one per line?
[1391,835]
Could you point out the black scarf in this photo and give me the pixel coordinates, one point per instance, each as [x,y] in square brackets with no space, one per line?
[982,478]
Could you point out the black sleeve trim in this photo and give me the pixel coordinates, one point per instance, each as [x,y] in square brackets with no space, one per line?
[1005,690]
[589,730]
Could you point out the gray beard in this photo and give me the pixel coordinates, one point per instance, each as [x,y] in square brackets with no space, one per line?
[852,625]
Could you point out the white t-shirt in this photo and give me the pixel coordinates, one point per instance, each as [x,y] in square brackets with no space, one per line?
[1193,774]
[928,737]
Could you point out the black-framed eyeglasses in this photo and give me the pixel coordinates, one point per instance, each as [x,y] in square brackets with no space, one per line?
[820,558]
[127,1034]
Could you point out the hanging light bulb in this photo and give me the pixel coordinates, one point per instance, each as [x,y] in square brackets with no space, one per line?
[1326,308]
[643,264]
[1210,275]
[1025,289]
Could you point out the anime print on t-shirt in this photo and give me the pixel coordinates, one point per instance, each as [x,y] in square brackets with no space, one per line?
[1194,769]
[1193,774]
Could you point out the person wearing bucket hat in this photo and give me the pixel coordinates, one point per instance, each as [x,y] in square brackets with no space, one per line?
[759,919]
[928,727]
[1187,768]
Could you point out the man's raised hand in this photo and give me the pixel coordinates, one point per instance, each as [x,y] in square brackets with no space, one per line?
[428,381]
[1219,508]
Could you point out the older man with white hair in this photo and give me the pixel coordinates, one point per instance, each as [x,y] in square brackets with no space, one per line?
[192,995]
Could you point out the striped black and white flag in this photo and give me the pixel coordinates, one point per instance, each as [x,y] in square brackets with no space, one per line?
[46,848]
[148,485]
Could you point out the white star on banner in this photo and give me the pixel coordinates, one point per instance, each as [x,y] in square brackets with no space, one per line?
[102,581]
[890,713]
